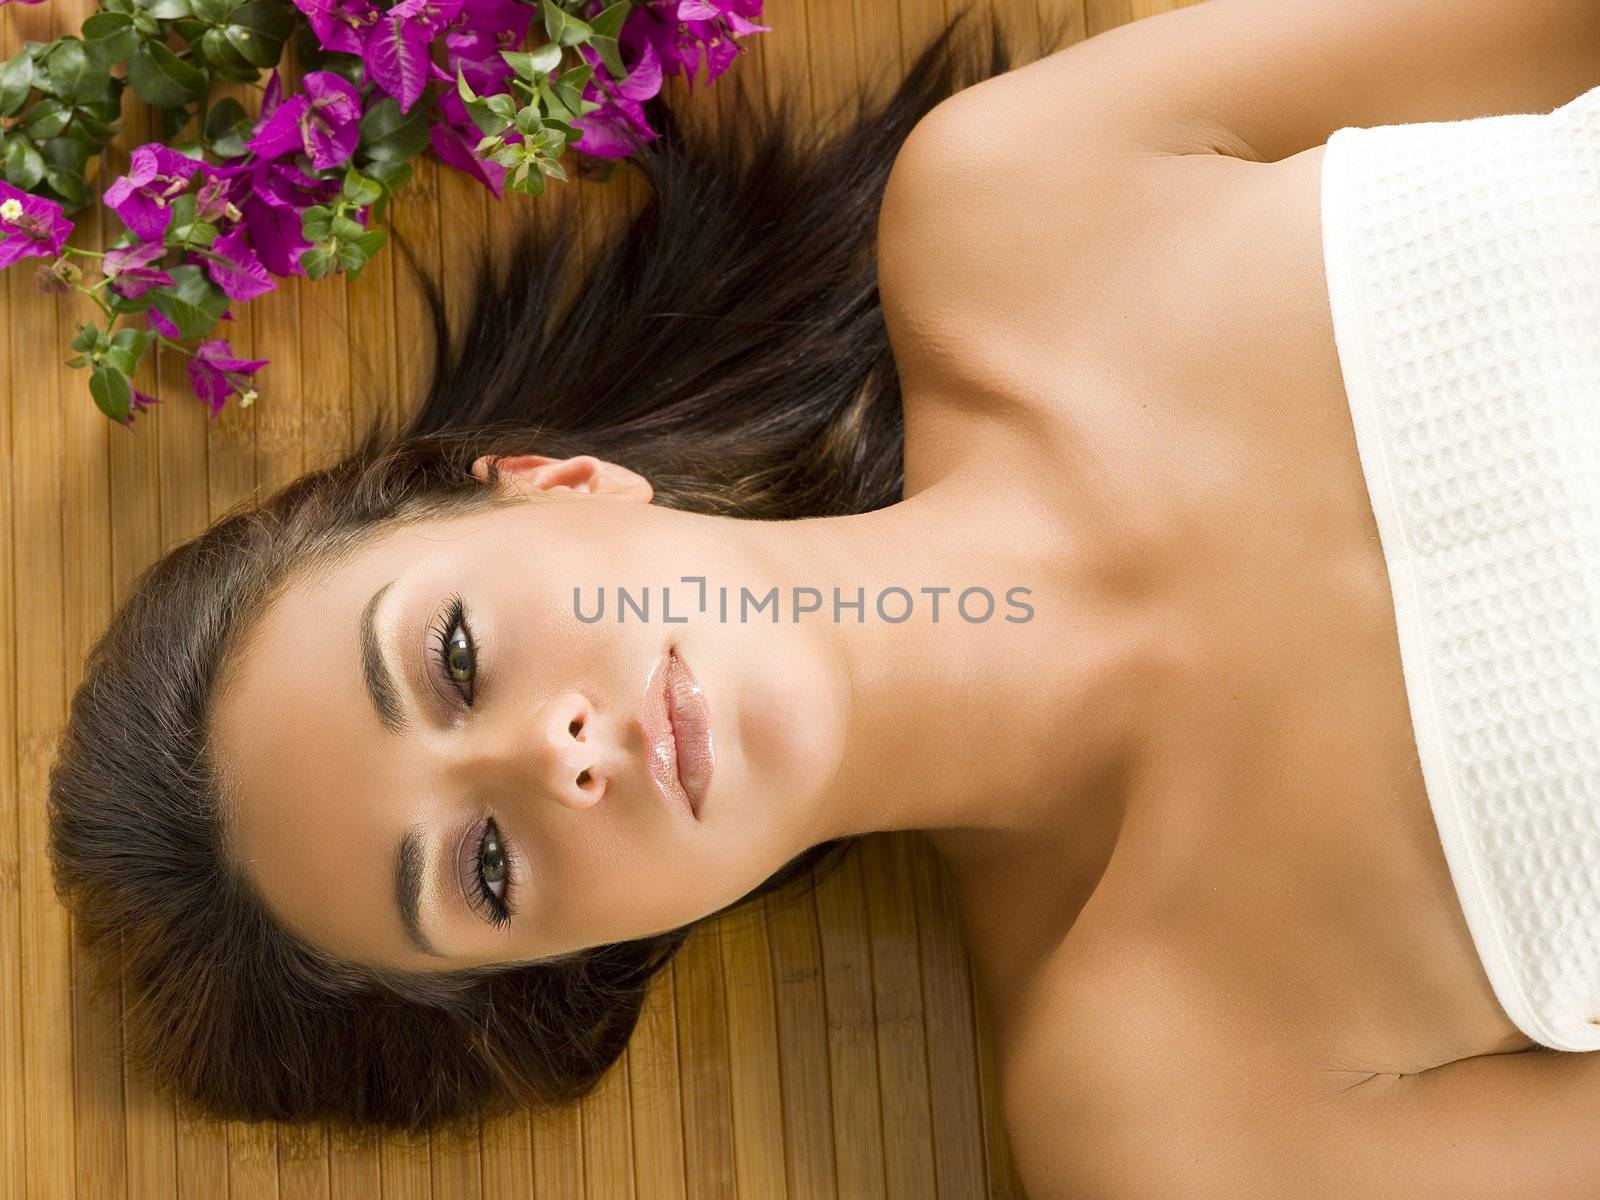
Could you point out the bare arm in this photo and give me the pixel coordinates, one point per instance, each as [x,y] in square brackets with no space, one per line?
[1264,79]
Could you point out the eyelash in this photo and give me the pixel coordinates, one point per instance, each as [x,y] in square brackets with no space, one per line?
[452,618]
[496,910]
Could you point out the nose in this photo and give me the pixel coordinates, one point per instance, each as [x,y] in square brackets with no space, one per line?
[567,758]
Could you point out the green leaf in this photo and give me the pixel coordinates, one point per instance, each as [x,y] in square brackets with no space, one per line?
[345,229]
[317,261]
[132,339]
[528,182]
[66,68]
[393,175]
[360,190]
[109,37]
[526,65]
[160,77]
[24,165]
[389,135]
[113,394]
[193,305]
[552,169]
[564,28]
[372,241]
[124,7]
[227,128]
[122,359]
[485,118]
[528,121]
[316,223]
[46,119]
[65,154]
[167,10]
[86,339]
[220,52]
[610,55]
[69,185]
[608,23]
[16,77]
[212,12]
[351,256]
[546,58]
[172,121]
[90,130]
[257,29]
[195,233]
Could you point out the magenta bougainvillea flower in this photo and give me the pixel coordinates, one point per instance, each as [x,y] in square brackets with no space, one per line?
[396,53]
[271,195]
[474,42]
[341,25]
[323,123]
[234,267]
[143,197]
[30,226]
[215,374]
[129,270]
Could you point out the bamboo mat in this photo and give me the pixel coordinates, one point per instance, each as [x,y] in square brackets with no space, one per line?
[831,1047]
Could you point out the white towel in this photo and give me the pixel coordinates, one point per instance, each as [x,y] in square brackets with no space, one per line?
[1463,267]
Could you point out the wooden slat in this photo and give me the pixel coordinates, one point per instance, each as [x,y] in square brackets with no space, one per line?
[802,1045]
[702,1017]
[899,1019]
[85,541]
[852,1030]
[13,1065]
[759,1148]
[49,1118]
[948,1020]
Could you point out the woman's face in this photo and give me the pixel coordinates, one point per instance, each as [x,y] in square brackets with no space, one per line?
[531,819]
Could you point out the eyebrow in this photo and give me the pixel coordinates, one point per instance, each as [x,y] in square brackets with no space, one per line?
[375,673]
[409,863]
[409,859]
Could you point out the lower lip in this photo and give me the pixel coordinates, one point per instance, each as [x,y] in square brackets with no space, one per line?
[690,714]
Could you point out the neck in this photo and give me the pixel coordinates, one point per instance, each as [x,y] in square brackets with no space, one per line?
[989,734]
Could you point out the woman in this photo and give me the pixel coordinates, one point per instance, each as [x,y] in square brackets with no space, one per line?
[393,825]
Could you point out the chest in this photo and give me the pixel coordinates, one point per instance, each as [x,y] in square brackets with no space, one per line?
[1281,831]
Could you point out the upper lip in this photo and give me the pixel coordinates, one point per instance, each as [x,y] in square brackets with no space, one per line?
[660,742]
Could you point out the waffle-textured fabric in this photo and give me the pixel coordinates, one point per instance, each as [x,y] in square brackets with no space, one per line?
[1463,272]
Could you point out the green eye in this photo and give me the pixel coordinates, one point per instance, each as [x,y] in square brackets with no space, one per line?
[493,876]
[456,652]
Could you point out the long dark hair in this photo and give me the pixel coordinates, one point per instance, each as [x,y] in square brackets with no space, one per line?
[729,346]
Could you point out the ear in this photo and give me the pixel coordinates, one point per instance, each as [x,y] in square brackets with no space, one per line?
[581,473]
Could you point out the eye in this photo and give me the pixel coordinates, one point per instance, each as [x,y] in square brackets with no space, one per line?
[455,650]
[492,877]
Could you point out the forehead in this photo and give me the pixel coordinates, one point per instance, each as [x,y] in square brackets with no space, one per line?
[318,792]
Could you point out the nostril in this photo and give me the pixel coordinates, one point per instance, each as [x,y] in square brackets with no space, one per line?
[583,778]
[576,727]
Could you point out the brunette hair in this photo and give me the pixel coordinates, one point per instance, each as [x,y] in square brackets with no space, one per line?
[728,345]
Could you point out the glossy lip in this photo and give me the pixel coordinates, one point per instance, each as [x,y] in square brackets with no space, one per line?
[691,730]
[660,742]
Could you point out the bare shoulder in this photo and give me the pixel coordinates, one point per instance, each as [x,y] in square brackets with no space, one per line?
[1010,242]
[1127,1073]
